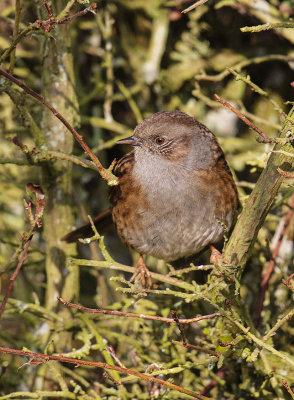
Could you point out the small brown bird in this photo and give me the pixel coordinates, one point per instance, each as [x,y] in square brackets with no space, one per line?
[176,194]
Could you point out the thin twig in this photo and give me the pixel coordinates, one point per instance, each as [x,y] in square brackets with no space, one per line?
[202,76]
[181,271]
[16,272]
[285,174]
[115,357]
[181,329]
[134,315]
[265,138]
[261,344]
[197,4]
[280,322]
[114,266]
[36,222]
[44,156]
[48,24]
[105,173]
[50,13]
[257,89]
[267,26]
[287,387]
[198,348]
[287,283]
[40,356]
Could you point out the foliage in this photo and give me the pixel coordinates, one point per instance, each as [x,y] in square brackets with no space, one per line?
[104,72]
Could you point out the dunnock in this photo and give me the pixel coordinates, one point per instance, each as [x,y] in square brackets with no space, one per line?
[176,193]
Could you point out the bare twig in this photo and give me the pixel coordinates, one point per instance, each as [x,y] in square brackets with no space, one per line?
[51,16]
[285,174]
[115,357]
[35,221]
[16,272]
[134,315]
[105,173]
[287,283]
[193,6]
[181,329]
[287,387]
[45,357]
[198,348]
[48,24]
[106,375]
[220,375]
[265,138]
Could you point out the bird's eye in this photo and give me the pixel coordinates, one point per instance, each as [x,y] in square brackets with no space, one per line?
[159,140]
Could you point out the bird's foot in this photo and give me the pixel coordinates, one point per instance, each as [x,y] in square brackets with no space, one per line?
[145,273]
[215,256]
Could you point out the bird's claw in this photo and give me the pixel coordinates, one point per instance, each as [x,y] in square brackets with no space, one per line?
[144,272]
[215,256]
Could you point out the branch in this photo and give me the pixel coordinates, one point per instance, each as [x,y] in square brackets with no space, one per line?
[51,16]
[39,356]
[257,89]
[16,272]
[45,25]
[287,387]
[134,315]
[193,6]
[197,348]
[287,359]
[267,27]
[285,174]
[265,138]
[202,76]
[259,202]
[35,221]
[267,13]
[287,283]
[105,173]
[112,265]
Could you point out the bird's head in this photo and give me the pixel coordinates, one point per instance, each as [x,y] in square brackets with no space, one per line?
[173,136]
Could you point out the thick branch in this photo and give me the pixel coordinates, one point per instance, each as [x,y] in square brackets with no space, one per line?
[260,200]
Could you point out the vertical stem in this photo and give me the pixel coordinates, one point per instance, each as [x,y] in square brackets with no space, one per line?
[259,202]
[160,26]
[58,84]
[109,68]
[15,32]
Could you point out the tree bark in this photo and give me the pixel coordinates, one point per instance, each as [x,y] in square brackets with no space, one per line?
[58,89]
[260,200]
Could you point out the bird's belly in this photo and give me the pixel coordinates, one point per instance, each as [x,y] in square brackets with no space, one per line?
[172,217]
[172,234]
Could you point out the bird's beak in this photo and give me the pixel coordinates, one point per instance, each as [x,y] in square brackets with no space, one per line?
[132,140]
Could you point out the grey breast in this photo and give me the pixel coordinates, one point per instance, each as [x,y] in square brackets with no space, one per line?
[181,220]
